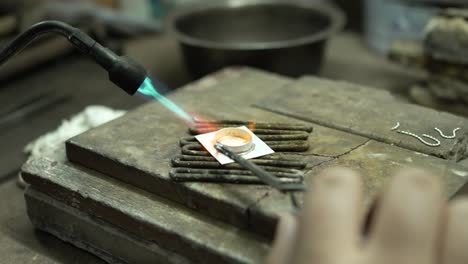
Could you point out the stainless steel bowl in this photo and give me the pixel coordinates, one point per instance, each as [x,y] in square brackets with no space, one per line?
[287,38]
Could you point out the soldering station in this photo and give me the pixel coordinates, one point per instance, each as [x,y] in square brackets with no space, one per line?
[260,99]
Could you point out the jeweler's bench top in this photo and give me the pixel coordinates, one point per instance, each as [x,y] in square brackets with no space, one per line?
[351,127]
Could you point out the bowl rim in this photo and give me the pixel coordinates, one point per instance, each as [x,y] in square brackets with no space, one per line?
[336,16]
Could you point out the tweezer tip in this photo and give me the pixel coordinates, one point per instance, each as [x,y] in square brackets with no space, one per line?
[219,146]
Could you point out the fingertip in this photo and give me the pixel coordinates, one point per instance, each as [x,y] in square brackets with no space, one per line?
[284,239]
[409,215]
[417,179]
[459,206]
[335,187]
[287,223]
[331,217]
[455,234]
[337,177]
[340,171]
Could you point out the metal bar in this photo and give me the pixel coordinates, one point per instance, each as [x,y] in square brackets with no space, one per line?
[257,131]
[292,146]
[287,137]
[281,174]
[215,165]
[293,158]
[261,162]
[262,125]
[265,138]
[221,178]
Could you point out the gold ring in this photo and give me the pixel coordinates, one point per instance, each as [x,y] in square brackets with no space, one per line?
[236,140]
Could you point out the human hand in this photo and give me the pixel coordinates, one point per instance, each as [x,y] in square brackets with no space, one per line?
[413,224]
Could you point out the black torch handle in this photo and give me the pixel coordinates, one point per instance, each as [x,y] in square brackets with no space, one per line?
[263,175]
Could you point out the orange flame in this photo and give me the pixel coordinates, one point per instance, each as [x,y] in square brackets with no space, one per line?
[203,125]
[251,126]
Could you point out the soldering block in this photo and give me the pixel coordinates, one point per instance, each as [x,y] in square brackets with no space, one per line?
[112,244]
[351,126]
[151,225]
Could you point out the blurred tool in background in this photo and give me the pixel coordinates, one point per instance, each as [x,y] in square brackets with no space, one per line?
[286,38]
[23,102]
[109,22]
[353,8]
[443,54]
[126,21]
[390,20]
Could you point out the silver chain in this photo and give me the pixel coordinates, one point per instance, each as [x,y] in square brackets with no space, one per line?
[454,133]
[422,139]
[396,126]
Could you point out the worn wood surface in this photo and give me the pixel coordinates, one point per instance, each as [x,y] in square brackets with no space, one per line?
[376,162]
[370,113]
[92,234]
[19,243]
[147,216]
[137,148]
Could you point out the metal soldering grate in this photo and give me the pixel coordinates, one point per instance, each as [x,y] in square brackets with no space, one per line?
[195,164]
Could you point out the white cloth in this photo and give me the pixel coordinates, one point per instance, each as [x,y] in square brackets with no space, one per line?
[91,116]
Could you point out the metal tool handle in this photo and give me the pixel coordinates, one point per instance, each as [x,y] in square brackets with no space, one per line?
[259,172]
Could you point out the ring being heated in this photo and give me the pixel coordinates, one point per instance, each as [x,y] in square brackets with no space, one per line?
[236,140]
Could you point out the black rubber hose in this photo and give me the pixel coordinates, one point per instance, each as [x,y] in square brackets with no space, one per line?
[124,72]
[39,29]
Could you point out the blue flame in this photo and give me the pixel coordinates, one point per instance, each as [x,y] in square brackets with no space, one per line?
[147,88]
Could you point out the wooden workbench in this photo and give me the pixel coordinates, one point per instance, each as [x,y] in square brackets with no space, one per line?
[352,127]
[20,243]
